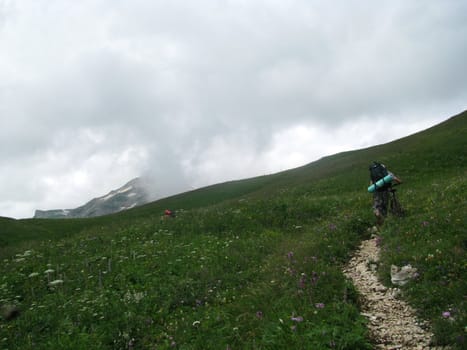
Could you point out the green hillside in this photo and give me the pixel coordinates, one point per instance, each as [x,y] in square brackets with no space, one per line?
[249,264]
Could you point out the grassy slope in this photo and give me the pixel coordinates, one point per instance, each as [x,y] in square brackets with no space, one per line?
[239,245]
[412,157]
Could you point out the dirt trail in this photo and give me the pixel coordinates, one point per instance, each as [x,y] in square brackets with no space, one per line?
[392,322]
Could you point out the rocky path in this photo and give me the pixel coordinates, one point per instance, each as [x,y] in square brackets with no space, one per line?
[392,322]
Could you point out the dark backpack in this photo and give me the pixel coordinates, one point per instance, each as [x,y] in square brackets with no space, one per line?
[377,171]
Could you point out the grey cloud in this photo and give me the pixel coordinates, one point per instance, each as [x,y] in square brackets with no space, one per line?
[186,82]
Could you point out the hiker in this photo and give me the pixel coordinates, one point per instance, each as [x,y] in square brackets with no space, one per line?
[169,213]
[378,172]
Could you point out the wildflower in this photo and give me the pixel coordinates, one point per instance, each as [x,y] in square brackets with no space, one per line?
[302,281]
[332,227]
[446,314]
[290,255]
[425,223]
[55,283]
[196,323]
[314,278]
[378,241]
[138,296]
[34,274]
[319,305]
[297,319]
[49,271]
[259,314]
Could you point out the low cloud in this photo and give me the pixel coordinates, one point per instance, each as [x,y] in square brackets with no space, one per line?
[94,94]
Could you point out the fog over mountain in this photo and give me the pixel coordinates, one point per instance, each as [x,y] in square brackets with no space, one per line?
[190,93]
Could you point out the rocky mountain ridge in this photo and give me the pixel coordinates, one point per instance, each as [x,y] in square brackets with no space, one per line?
[130,195]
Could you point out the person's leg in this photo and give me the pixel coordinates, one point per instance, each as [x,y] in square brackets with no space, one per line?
[380,206]
[384,203]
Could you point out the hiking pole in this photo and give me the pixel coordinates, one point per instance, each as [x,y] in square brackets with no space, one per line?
[394,205]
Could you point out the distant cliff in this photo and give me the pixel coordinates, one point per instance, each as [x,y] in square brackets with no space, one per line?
[130,195]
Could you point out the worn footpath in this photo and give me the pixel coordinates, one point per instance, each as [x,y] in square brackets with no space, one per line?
[392,322]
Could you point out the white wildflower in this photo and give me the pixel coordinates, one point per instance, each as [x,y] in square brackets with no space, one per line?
[34,274]
[138,296]
[49,271]
[133,296]
[55,283]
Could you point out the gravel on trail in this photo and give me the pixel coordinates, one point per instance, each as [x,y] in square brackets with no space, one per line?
[392,322]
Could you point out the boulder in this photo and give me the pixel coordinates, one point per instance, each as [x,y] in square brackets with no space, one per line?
[400,276]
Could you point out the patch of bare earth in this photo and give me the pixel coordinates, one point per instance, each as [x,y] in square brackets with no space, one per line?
[392,322]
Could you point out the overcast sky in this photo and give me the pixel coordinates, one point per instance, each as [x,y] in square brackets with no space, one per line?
[96,92]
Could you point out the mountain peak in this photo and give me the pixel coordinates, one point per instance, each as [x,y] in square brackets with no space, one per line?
[130,195]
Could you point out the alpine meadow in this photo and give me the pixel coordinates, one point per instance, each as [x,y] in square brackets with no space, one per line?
[249,264]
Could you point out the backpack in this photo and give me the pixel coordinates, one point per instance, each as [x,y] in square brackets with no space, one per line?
[377,171]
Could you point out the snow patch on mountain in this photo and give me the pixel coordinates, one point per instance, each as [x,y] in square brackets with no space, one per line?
[132,194]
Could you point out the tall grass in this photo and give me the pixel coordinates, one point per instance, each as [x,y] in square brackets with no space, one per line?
[251,274]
